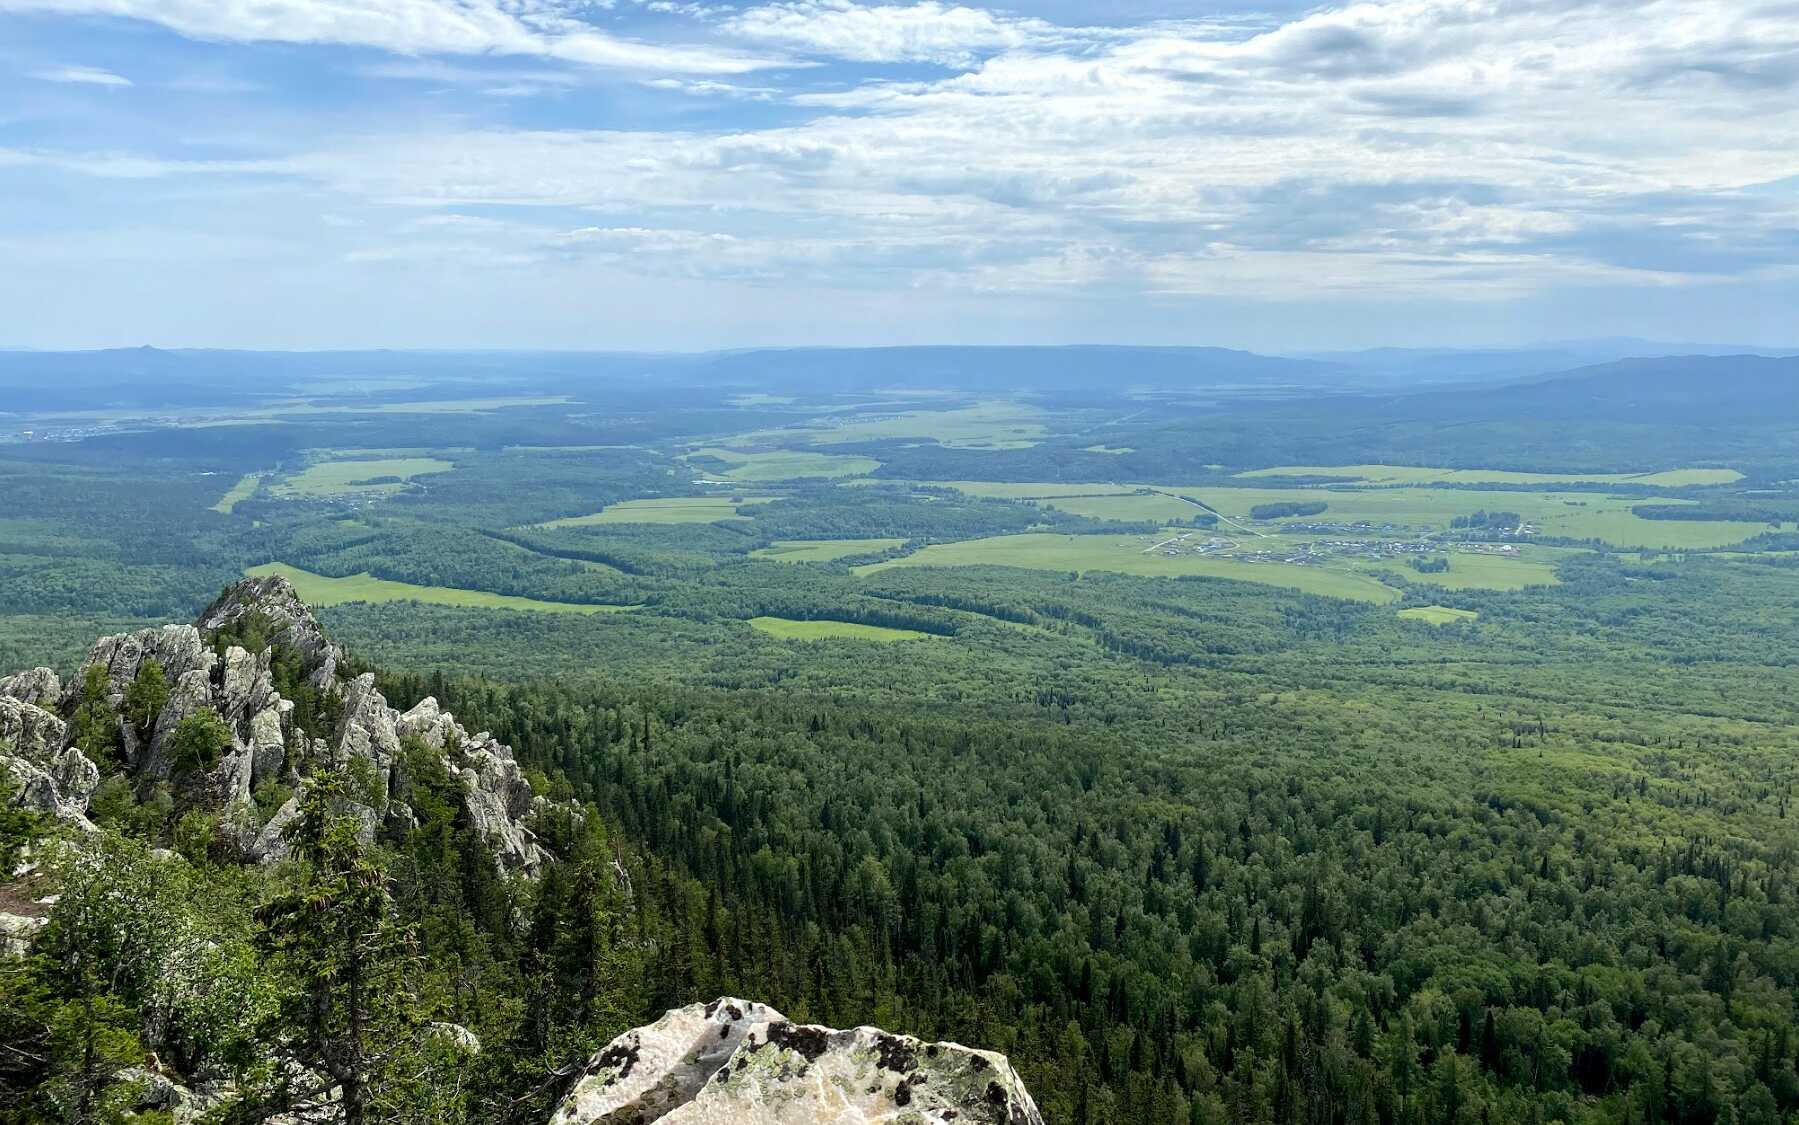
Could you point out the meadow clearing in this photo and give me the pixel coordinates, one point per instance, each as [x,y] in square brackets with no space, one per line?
[789,630]
[1412,474]
[780,464]
[237,493]
[822,550]
[347,478]
[1130,554]
[1438,614]
[322,590]
[994,425]
[667,509]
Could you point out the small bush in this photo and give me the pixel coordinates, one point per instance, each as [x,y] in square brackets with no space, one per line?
[199,741]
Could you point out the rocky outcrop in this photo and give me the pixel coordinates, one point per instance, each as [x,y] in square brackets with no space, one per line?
[38,685]
[202,671]
[736,1061]
[273,601]
[43,773]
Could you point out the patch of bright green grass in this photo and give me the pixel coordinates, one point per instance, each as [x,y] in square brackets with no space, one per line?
[1571,515]
[320,590]
[666,509]
[1481,572]
[789,630]
[1137,554]
[1438,614]
[1410,474]
[241,491]
[1008,490]
[783,464]
[1132,508]
[344,478]
[823,550]
[984,425]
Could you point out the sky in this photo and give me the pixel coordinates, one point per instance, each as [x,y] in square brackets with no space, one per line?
[686,175]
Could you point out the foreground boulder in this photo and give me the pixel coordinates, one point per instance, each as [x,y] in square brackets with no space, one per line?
[735,1061]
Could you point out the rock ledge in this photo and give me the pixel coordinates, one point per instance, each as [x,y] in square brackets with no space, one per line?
[735,1061]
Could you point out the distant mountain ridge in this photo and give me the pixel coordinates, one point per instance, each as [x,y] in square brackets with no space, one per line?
[154,378]
[1678,390]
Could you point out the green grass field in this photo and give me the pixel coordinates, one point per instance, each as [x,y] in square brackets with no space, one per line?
[1438,614]
[822,550]
[339,478]
[789,630]
[1128,554]
[1133,508]
[239,492]
[1480,572]
[782,464]
[1409,474]
[984,425]
[667,509]
[1573,515]
[320,590]
[1006,490]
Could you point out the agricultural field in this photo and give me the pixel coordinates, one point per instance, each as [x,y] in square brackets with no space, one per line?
[321,590]
[1438,614]
[1136,554]
[991,426]
[668,509]
[1007,490]
[239,492]
[1129,507]
[781,464]
[1571,515]
[1470,571]
[353,478]
[1408,474]
[789,630]
[823,550]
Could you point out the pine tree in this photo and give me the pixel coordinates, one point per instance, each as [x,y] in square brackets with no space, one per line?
[347,1014]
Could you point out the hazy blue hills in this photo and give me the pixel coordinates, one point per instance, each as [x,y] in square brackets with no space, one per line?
[1504,382]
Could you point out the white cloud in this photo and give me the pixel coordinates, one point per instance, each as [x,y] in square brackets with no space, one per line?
[543,28]
[927,31]
[82,75]
[1406,148]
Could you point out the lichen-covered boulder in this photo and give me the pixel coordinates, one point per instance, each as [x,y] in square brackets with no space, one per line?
[497,798]
[180,649]
[644,1074]
[30,732]
[678,1071]
[368,730]
[189,694]
[42,773]
[37,685]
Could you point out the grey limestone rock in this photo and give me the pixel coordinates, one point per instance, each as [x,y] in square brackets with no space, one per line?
[733,1061]
[240,686]
[38,685]
[30,732]
[273,599]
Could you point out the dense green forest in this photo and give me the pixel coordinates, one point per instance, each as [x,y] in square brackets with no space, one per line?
[1437,799]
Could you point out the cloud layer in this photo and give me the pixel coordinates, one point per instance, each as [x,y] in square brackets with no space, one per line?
[1470,150]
